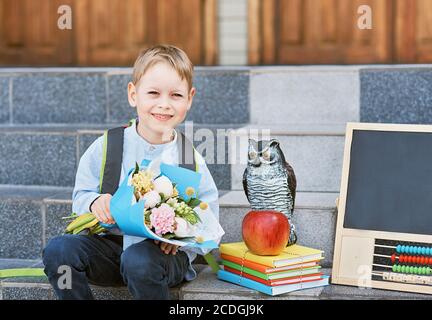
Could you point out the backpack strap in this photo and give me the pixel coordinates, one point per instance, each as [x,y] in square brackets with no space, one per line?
[112,158]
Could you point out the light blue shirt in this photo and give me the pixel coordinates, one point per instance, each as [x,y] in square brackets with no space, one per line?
[136,149]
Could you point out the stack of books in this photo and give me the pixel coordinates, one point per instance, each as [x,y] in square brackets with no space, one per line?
[296,268]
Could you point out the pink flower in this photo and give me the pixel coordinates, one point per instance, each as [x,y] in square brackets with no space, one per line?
[162,219]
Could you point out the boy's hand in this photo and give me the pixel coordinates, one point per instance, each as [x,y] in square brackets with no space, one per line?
[101,209]
[167,248]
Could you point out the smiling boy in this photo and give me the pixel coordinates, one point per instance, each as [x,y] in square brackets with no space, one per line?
[161,90]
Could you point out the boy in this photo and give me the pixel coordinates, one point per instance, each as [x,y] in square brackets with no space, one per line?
[162,93]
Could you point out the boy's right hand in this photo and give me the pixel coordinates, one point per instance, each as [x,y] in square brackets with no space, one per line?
[101,209]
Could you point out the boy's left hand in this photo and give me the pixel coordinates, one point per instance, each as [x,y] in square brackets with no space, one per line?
[167,248]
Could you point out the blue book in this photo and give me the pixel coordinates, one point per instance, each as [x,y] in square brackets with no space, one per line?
[272,291]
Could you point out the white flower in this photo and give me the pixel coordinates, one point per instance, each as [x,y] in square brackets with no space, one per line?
[163,185]
[184,228]
[152,198]
[172,202]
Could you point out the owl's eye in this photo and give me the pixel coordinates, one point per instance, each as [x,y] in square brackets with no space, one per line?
[266,155]
[252,155]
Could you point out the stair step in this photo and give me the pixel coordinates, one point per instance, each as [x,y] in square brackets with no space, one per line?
[205,287]
[38,288]
[269,95]
[99,95]
[22,220]
[49,155]
[208,287]
[314,151]
[305,95]
[39,211]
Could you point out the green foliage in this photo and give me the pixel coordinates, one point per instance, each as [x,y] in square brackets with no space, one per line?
[137,168]
[194,202]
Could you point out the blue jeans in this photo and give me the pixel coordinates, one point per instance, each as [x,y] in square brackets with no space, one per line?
[100,260]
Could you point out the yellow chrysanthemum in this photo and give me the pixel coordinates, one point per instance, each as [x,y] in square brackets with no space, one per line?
[190,191]
[175,192]
[203,206]
[142,181]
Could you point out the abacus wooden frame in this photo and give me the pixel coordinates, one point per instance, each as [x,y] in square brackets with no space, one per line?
[357,237]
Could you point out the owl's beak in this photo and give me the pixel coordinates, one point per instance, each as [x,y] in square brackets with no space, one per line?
[255,162]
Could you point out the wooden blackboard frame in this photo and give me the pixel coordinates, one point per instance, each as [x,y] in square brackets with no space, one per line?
[353,250]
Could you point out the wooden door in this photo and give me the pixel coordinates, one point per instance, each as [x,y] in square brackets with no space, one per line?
[413,31]
[112,32]
[104,32]
[29,34]
[318,31]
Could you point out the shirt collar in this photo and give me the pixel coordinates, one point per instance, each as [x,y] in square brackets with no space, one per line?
[149,147]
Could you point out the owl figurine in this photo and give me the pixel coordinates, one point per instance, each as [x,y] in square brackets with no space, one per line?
[269,181]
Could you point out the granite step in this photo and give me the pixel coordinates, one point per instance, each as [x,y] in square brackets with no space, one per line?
[315,151]
[290,95]
[38,288]
[49,154]
[40,209]
[99,95]
[205,287]
[208,287]
[251,94]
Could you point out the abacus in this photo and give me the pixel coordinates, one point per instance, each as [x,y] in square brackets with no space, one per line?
[408,263]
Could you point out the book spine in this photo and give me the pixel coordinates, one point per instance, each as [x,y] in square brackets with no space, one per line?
[233,278]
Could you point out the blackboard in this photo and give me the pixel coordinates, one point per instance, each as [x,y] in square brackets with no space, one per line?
[390,182]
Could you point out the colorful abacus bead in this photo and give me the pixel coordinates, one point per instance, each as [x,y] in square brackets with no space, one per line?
[393,258]
[411,269]
[414,250]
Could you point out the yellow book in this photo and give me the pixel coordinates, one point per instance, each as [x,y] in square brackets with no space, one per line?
[290,255]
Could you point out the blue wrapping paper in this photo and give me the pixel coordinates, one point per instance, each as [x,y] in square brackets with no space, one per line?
[129,217]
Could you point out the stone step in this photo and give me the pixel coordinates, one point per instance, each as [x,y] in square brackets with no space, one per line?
[205,287]
[31,216]
[49,155]
[38,288]
[23,226]
[99,95]
[258,95]
[305,94]
[208,287]
[314,151]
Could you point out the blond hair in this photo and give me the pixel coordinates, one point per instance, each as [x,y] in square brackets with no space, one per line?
[170,54]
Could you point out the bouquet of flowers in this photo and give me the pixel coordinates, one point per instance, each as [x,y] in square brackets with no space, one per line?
[166,213]
[159,201]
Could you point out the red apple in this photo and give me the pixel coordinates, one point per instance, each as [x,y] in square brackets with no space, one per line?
[265,232]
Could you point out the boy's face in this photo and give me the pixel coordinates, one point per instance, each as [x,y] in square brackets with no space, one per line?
[162,99]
